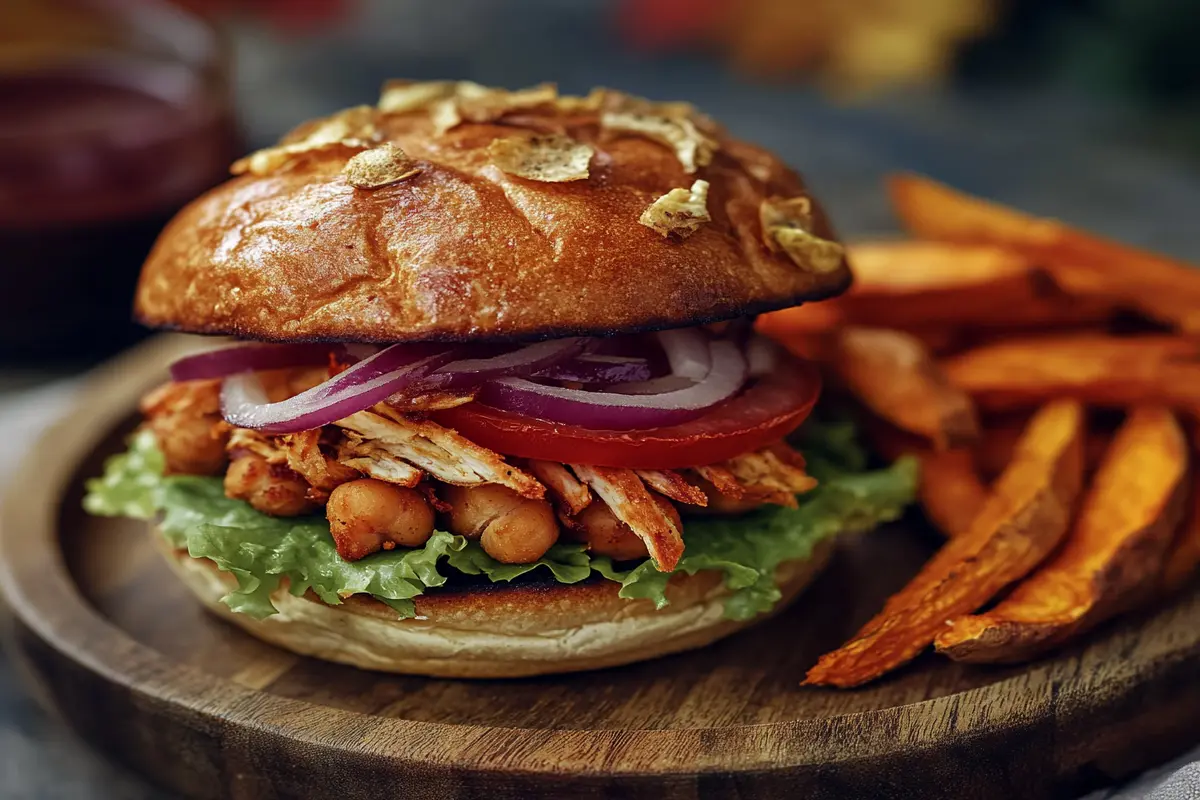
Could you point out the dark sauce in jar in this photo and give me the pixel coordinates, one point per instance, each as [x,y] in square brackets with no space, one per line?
[97,151]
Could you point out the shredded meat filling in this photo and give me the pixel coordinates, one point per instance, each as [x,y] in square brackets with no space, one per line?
[441,452]
[625,494]
[416,469]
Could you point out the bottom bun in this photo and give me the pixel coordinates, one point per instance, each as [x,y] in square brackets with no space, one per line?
[488,630]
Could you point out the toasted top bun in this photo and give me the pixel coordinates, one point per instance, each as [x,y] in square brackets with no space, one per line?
[443,239]
[496,630]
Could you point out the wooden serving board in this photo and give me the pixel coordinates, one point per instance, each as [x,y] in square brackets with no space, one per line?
[132,663]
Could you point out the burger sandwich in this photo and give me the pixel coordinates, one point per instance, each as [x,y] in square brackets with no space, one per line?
[499,408]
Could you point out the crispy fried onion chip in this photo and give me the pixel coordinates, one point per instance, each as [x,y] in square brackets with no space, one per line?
[551,159]
[352,129]
[401,96]
[668,123]
[679,213]
[450,103]
[787,226]
[378,167]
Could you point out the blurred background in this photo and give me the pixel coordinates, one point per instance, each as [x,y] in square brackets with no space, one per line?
[113,113]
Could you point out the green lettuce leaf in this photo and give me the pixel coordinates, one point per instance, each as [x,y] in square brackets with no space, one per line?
[261,551]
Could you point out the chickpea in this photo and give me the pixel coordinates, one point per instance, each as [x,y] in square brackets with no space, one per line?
[606,535]
[511,528]
[191,444]
[369,515]
[270,488]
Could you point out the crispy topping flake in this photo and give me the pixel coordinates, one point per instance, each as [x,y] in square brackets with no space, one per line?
[353,128]
[445,116]
[592,103]
[400,96]
[552,159]
[381,166]
[482,104]
[668,125]
[450,103]
[679,213]
[787,226]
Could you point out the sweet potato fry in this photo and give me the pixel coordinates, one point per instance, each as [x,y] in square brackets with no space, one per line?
[998,439]
[921,283]
[1101,370]
[916,285]
[950,490]
[1022,521]
[895,376]
[1183,557]
[801,321]
[1112,557]
[1081,263]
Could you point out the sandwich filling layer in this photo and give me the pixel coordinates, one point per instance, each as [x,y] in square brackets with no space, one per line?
[264,550]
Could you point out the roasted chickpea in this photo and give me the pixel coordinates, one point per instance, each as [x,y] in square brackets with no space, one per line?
[191,444]
[271,488]
[185,417]
[369,515]
[511,528]
[606,535]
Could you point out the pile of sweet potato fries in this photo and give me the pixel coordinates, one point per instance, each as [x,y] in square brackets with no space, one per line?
[1044,378]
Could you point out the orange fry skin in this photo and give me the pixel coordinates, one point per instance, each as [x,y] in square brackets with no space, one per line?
[1106,371]
[934,287]
[897,378]
[1183,556]
[1081,263]
[950,490]
[1023,520]
[998,439]
[1112,557]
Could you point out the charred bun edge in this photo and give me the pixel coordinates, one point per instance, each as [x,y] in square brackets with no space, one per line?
[249,332]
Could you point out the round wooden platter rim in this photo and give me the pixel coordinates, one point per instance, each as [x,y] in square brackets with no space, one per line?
[34,579]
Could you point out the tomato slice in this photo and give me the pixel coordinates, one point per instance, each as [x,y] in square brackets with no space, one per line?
[766,412]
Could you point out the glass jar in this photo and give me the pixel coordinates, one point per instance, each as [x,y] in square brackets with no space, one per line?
[113,114]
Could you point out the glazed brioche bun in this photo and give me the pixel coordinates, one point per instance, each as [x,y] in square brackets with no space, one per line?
[461,249]
[495,630]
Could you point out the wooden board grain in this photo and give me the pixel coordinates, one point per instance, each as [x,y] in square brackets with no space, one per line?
[131,662]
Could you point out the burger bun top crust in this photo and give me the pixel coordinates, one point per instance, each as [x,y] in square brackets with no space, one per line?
[462,250]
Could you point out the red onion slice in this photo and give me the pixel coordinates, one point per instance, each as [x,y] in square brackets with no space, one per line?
[526,360]
[255,357]
[666,383]
[762,355]
[687,352]
[600,369]
[244,402]
[611,411]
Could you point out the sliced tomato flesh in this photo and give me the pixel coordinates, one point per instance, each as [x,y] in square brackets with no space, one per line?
[771,408]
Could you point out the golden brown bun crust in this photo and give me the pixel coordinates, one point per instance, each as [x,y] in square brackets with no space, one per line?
[498,631]
[466,251]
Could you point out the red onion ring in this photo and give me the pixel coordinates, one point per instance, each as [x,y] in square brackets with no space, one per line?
[612,411]
[687,352]
[527,360]
[762,355]
[256,357]
[600,369]
[665,383]
[244,402]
